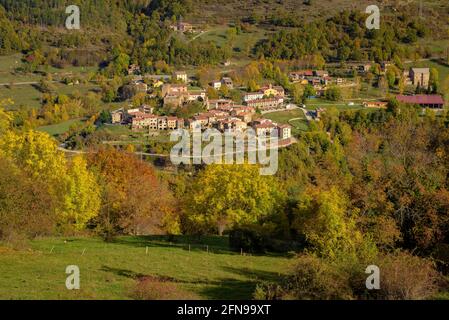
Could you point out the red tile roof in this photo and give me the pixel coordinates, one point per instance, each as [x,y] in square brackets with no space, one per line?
[421,99]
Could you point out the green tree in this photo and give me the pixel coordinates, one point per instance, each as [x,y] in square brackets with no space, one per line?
[333,93]
[325,220]
[309,91]
[226,195]
[434,82]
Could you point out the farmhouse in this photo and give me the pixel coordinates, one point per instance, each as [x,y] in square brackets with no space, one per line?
[226,81]
[118,115]
[285,131]
[420,76]
[219,103]
[252,96]
[180,76]
[265,104]
[375,104]
[275,91]
[216,84]
[182,27]
[300,75]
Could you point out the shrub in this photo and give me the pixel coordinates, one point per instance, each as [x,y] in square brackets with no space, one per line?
[158,288]
[402,277]
[257,239]
[407,277]
[312,278]
[315,278]
[248,238]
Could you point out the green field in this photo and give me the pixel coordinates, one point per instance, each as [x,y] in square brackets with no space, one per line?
[23,96]
[22,89]
[284,116]
[111,270]
[60,128]
[242,44]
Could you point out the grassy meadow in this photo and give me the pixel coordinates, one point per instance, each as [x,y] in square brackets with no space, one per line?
[112,270]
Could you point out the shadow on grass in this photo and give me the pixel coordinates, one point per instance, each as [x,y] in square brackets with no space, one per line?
[211,244]
[230,289]
[221,289]
[236,289]
[123,272]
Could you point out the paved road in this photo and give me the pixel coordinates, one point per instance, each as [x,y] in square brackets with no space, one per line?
[199,35]
[281,145]
[23,83]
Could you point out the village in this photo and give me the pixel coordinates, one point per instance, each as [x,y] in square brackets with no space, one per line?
[222,114]
[230,116]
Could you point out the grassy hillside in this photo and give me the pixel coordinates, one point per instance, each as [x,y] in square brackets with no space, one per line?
[111,271]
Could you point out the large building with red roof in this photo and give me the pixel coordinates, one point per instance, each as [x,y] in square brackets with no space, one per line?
[424,100]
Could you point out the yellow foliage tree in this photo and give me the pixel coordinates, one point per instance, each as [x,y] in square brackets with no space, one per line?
[5,117]
[82,197]
[323,217]
[225,195]
[72,186]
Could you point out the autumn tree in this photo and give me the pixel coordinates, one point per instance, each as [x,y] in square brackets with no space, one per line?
[71,186]
[135,200]
[326,221]
[5,117]
[226,195]
[27,209]
[82,196]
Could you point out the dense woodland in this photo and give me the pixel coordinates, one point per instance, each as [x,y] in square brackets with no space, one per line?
[140,30]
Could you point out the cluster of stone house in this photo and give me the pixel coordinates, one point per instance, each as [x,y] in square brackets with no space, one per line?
[267,98]
[319,79]
[313,77]
[184,27]
[143,118]
[178,94]
[225,81]
[226,116]
[223,115]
